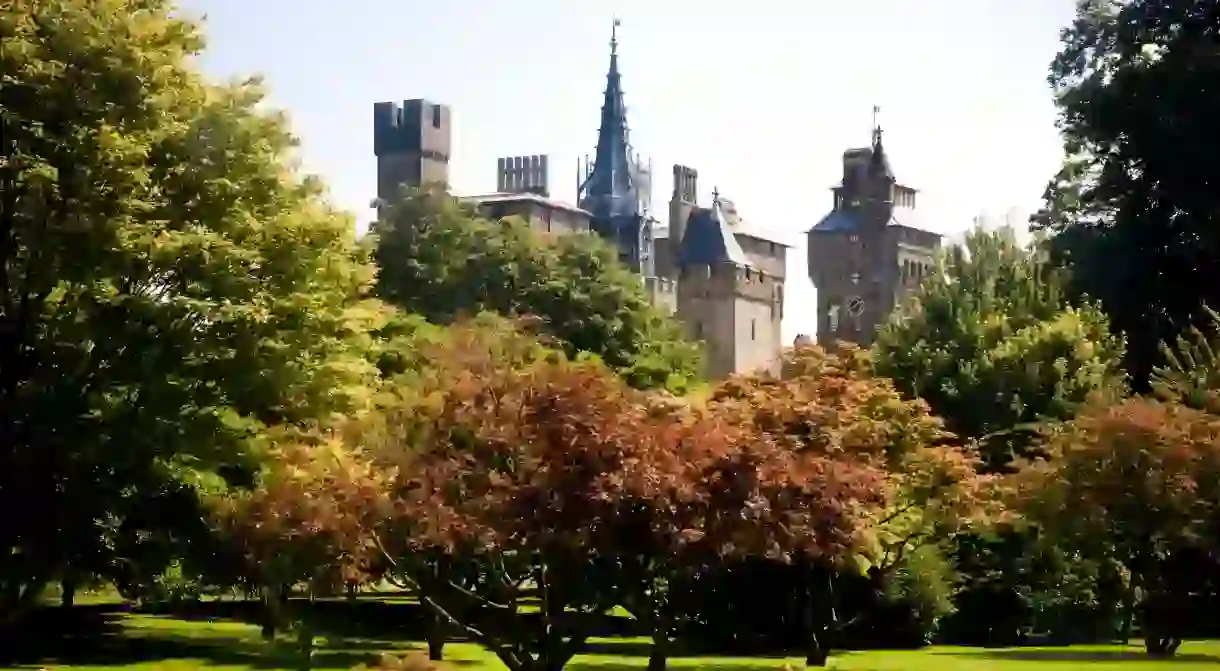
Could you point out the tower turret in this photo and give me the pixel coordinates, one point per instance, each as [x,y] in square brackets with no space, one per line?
[609,190]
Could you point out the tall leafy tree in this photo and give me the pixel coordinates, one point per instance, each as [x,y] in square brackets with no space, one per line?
[1135,207]
[168,286]
[1142,481]
[991,342]
[439,260]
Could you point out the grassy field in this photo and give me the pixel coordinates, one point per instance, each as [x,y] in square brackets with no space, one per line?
[146,642]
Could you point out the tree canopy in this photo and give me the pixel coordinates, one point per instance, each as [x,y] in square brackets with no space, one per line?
[992,343]
[1134,208]
[168,285]
[1142,479]
[438,259]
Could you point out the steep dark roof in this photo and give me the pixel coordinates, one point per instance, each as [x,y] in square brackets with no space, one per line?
[609,190]
[709,240]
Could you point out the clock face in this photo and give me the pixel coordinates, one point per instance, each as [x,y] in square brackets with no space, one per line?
[855,306]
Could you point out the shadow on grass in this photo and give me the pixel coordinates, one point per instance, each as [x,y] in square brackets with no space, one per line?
[1075,655]
[95,637]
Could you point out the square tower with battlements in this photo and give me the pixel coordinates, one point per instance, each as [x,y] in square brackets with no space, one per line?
[412,142]
[730,281]
[868,251]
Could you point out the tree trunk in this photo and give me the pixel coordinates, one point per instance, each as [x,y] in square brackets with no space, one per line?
[658,657]
[815,653]
[1128,610]
[273,600]
[436,637]
[304,621]
[305,643]
[67,596]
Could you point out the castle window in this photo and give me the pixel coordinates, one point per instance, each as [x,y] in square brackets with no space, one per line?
[436,116]
[855,278]
[832,318]
[698,329]
[854,238]
[753,330]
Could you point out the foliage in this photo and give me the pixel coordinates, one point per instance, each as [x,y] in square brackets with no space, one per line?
[554,479]
[1142,479]
[827,402]
[992,344]
[169,285]
[832,404]
[441,261]
[307,520]
[1191,372]
[1134,207]
[925,579]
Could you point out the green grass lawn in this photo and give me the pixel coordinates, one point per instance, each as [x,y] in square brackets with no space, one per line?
[147,642]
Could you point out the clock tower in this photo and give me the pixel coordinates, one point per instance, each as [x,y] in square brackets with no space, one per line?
[867,252]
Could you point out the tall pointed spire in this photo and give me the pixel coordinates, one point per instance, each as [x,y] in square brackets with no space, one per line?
[879,163]
[610,191]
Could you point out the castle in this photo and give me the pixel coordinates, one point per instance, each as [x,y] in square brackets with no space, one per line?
[867,252]
[723,280]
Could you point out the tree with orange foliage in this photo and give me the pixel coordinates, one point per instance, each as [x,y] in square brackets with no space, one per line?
[307,522]
[532,476]
[1141,480]
[830,411]
[557,479]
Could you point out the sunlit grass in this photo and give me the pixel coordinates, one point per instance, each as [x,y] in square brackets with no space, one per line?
[166,643]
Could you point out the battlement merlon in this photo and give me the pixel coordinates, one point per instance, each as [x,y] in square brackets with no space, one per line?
[412,126]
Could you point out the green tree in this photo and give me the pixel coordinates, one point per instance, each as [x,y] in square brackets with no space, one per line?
[992,344]
[441,261]
[1135,208]
[168,286]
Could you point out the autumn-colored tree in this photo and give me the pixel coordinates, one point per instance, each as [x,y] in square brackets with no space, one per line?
[1141,480]
[833,403]
[832,406]
[307,521]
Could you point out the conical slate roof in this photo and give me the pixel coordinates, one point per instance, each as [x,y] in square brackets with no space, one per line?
[709,239]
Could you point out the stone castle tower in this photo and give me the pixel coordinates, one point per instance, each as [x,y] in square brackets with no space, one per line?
[613,188]
[412,142]
[724,283]
[730,282]
[866,253]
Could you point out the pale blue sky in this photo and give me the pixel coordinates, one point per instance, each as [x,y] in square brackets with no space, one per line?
[760,97]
